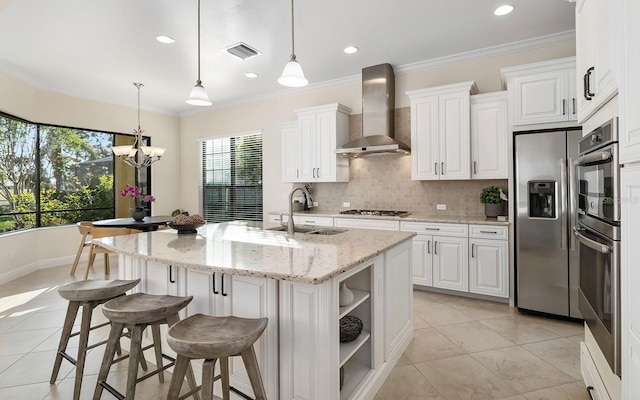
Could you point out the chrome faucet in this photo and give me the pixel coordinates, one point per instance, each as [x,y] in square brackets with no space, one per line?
[290,225]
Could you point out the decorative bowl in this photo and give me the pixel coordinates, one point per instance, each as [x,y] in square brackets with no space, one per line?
[350,328]
[186,229]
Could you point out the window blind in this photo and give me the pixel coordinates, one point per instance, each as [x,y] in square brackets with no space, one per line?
[232,178]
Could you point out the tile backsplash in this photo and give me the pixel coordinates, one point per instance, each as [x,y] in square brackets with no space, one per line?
[384,182]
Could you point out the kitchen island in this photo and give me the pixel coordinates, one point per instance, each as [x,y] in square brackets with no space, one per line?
[294,280]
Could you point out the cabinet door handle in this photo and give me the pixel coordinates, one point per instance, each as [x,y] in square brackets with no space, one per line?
[171,274]
[214,283]
[589,390]
[436,168]
[318,172]
[435,247]
[473,246]
[222,285]
[297,173]
[494,232]
[573,100]
[564,107]
[428,246]
[442,168]
[588,84]
[475,171]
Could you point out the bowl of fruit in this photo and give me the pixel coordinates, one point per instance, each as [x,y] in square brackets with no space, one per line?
[187,224]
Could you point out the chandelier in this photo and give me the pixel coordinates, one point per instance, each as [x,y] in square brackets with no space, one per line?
[137,155]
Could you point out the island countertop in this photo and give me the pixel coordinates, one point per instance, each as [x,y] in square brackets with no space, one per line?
[239,249]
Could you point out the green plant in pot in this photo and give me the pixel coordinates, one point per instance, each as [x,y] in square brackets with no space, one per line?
[493,201]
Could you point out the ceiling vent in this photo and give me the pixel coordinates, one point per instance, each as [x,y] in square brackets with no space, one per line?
[242,51]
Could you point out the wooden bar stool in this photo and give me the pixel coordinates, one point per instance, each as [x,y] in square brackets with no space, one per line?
[97,233]
[202,336]
[137,311]
[86,294]
[85,230]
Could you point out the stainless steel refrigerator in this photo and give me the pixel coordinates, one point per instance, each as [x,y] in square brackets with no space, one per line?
[546,255]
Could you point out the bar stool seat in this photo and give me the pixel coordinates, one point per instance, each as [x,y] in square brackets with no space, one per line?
[136,312]
[86,294]
[210,338]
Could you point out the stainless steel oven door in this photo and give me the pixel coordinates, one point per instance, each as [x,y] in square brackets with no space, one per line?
[598,183]
[599,293]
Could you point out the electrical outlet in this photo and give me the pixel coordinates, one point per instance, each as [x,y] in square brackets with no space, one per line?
[441,207]
[315,204]
[346,204]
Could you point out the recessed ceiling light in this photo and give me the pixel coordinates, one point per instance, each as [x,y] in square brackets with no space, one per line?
[350,49]
[251,75]
[164,39]
[503,10]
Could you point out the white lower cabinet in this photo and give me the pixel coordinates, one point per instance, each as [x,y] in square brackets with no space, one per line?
[422,260]
[451,263]
[488,263]
[398,301]
[595,386]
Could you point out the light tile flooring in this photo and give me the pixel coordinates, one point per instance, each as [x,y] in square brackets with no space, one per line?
[462,349]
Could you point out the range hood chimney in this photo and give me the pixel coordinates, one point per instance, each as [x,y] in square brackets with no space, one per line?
[378,108]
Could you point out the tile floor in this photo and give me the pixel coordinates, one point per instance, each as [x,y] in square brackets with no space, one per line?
[462,349]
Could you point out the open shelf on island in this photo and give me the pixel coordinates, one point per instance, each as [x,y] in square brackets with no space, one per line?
[354,374]
[358,297]
[348,349]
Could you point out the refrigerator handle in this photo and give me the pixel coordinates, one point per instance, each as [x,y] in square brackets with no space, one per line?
[573,204]
[563,203]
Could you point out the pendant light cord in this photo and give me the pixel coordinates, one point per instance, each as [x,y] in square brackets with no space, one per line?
[293,51]
[199,81]
[138,85]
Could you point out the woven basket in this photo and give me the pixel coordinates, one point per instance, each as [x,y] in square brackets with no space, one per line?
[350,328]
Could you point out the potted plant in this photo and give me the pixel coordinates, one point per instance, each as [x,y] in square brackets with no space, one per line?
[493,201]
[135,192]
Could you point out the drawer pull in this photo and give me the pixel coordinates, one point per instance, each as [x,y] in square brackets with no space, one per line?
[494,232]
[432,229]
[309,222]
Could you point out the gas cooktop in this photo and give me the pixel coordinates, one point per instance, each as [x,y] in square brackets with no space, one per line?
[382,213]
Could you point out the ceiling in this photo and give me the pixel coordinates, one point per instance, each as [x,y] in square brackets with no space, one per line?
[96,49]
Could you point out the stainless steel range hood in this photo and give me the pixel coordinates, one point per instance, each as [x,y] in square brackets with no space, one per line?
[378,108]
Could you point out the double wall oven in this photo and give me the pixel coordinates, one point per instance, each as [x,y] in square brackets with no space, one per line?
[598,231]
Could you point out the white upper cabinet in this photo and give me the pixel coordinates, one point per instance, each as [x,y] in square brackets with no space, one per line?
[440,132]
[290,143]
[595,55]
[309,145]
[542,92]
[489,136]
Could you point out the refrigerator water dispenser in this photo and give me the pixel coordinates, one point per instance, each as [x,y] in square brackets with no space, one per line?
[542,199]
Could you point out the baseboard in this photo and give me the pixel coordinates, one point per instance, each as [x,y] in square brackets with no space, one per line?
[43,264]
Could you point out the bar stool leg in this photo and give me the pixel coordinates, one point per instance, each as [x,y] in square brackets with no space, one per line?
[224,375]
[134,359]
[72,312]
[208,373]
[155,330]
[109,352]
[85,328]
[191,378]
[251,365]
[179,371]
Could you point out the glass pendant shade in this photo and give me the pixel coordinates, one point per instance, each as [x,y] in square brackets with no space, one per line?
[198,96]
[292,75]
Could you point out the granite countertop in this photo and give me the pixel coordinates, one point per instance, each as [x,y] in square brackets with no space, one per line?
[413,217]
[239,249]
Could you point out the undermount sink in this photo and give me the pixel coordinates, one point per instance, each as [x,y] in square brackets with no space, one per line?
[297,229]
[327,231]
[309,230]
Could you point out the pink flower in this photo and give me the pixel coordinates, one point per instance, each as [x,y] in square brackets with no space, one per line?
[136,193]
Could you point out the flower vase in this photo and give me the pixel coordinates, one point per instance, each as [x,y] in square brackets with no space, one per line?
[346,295]
[138,214]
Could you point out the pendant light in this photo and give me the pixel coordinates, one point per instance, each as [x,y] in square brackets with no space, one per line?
[137,155]
[292,75]
[198,96]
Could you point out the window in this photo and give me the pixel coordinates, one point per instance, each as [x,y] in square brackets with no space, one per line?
[53,175]
[232,178]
